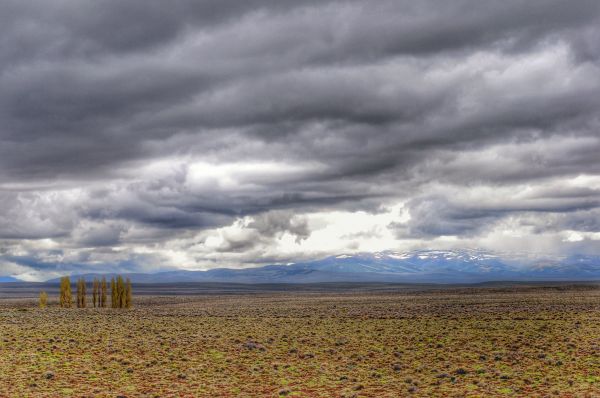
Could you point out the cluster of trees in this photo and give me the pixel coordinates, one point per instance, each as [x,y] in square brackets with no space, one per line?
[99,292]
[81,293]
[121,294]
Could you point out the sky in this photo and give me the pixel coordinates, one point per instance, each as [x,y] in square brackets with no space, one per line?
[145,135]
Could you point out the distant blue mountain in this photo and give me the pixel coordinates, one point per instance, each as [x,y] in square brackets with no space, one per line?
[420,266]
[5,279]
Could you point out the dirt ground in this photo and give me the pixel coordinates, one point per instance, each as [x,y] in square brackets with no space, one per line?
[523,341]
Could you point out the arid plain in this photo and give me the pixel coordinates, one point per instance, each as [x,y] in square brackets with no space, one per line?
[533,341]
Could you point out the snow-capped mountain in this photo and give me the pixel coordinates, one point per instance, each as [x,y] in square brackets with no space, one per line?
[418,261]
[467,265]
[419,266]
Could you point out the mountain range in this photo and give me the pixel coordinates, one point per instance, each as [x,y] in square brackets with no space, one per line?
[419,266]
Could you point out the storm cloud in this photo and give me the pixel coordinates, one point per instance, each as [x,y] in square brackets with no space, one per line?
[142,135]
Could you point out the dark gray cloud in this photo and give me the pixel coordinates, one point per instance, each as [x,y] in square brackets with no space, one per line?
[145,127]
[550,208]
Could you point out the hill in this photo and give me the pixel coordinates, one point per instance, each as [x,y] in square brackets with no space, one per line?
[420,266]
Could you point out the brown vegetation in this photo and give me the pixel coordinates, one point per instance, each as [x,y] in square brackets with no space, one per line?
[43,299]
[103,293]
[113,293]
[65,299]
[121,293]
[96,293]
[81,296]
[454,343]
[128,293]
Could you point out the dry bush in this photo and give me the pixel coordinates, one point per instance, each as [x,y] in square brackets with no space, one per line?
[43,299]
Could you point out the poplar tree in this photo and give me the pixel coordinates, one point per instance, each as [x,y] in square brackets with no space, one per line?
[113,293]
[43,299]
[128,293]
[65,292]
[81,293]
[95,293]
[103,293]
[120,292]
